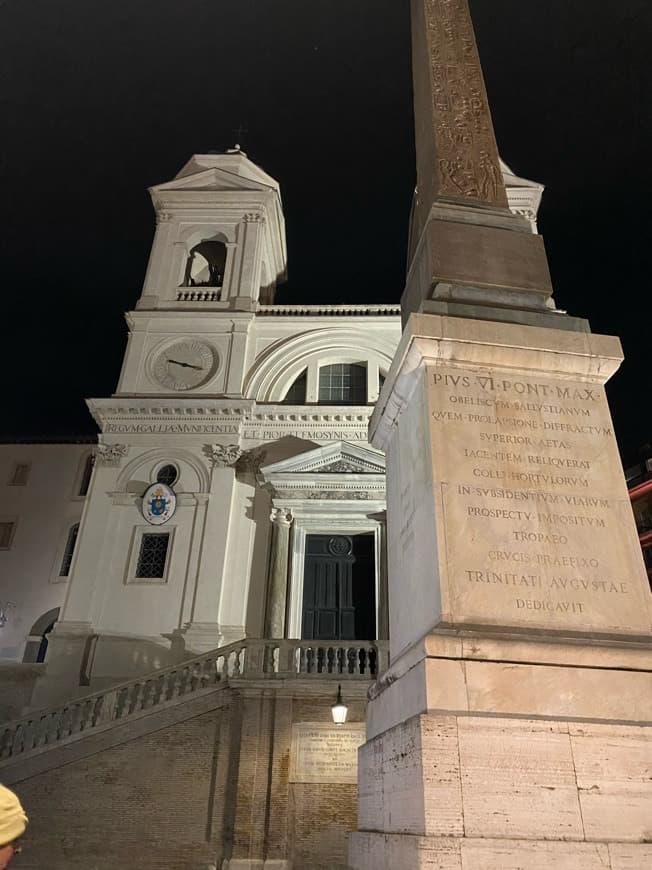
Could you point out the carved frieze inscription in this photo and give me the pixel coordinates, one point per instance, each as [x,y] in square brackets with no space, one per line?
[533,517]
[467,155]
[325,752]
[168,428]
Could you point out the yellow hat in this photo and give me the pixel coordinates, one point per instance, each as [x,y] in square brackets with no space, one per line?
[13,820]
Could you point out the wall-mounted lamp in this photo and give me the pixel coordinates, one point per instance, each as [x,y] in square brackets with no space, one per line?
[339,709]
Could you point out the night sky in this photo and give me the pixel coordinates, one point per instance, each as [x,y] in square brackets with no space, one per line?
[99,100]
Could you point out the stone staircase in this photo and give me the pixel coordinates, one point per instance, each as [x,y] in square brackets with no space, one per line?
[181,691]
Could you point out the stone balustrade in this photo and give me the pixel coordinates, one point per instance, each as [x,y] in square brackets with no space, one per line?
[198,296]
[242,660]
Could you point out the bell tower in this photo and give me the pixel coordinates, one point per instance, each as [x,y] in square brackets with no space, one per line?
[218,254]
[220,237]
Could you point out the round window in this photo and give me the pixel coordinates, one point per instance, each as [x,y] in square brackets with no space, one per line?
[167,474]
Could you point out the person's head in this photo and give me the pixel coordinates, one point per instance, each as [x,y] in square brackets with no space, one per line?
[13,822]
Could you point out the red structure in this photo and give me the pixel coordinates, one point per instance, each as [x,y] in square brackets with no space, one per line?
[639,481]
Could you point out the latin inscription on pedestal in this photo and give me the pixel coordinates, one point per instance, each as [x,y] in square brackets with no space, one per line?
[325,753]
[534,522]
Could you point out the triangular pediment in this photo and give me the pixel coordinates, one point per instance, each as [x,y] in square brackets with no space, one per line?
[211,179]
[338,458]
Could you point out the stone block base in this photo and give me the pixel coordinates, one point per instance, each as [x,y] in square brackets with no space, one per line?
[371,851]
[457,792]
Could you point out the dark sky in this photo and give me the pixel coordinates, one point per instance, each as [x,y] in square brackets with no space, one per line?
[101,98]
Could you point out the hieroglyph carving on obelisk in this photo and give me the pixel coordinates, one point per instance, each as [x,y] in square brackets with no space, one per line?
[463,237]
[457,156]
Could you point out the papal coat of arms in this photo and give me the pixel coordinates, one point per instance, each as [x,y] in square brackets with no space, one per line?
[159,504]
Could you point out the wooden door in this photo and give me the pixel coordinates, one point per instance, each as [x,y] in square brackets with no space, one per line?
[338,588]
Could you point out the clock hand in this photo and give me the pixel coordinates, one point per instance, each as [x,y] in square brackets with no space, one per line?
[185,365]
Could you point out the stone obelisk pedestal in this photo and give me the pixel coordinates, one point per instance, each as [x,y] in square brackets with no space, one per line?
[511,729]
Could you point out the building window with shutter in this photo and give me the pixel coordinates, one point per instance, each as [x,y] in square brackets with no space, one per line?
[20,474]
[85,479]
[7,531]
[68,553]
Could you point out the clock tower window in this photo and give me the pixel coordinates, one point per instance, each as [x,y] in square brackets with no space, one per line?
[206,264]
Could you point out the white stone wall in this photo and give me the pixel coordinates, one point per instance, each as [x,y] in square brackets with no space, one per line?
[44,509]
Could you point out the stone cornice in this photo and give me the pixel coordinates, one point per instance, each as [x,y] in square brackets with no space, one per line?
[170,415]
[321,487]
[380,310]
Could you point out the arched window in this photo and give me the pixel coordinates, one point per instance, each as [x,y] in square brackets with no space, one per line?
[37,641]
[206,264]
[68,553]
[167,474]
[296,395]
[343,384]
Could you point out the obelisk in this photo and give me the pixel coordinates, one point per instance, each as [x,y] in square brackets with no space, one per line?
[512,729]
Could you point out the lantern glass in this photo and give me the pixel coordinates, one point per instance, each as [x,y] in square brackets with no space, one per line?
[339,709]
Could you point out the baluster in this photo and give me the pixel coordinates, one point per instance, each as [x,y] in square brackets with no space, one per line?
[17,743]
[54,727]
[330,656]
[65,723]
[204,672]
[340,660]
[180,682]
[310,660]
[186,677]
[87,716]
[362,660]
[167,686]
[210,672]
[235,672]
[157,690]
[121,707]
[320,659]
[35,733]
[74,718]
[28,735]
[6,743]
[94,711]
[142,700]
[373,661]
[291,659]
[351,655]
[106,707]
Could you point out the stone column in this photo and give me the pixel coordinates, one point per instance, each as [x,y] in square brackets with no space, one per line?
[277,585]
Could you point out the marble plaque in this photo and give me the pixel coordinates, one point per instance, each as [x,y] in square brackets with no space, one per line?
[325,753]
[534,523]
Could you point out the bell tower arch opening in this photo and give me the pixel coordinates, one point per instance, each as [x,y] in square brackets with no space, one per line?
[206,264]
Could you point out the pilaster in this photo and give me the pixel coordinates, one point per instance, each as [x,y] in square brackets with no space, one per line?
[203,632]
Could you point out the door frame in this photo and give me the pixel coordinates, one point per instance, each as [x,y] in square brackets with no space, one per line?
[328,524]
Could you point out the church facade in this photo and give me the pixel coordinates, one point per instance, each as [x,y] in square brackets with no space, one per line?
[253,416]
[182,597]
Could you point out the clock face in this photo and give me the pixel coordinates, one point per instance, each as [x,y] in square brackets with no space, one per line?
[184,365]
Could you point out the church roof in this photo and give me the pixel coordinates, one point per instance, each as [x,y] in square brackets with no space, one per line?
[230,171]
